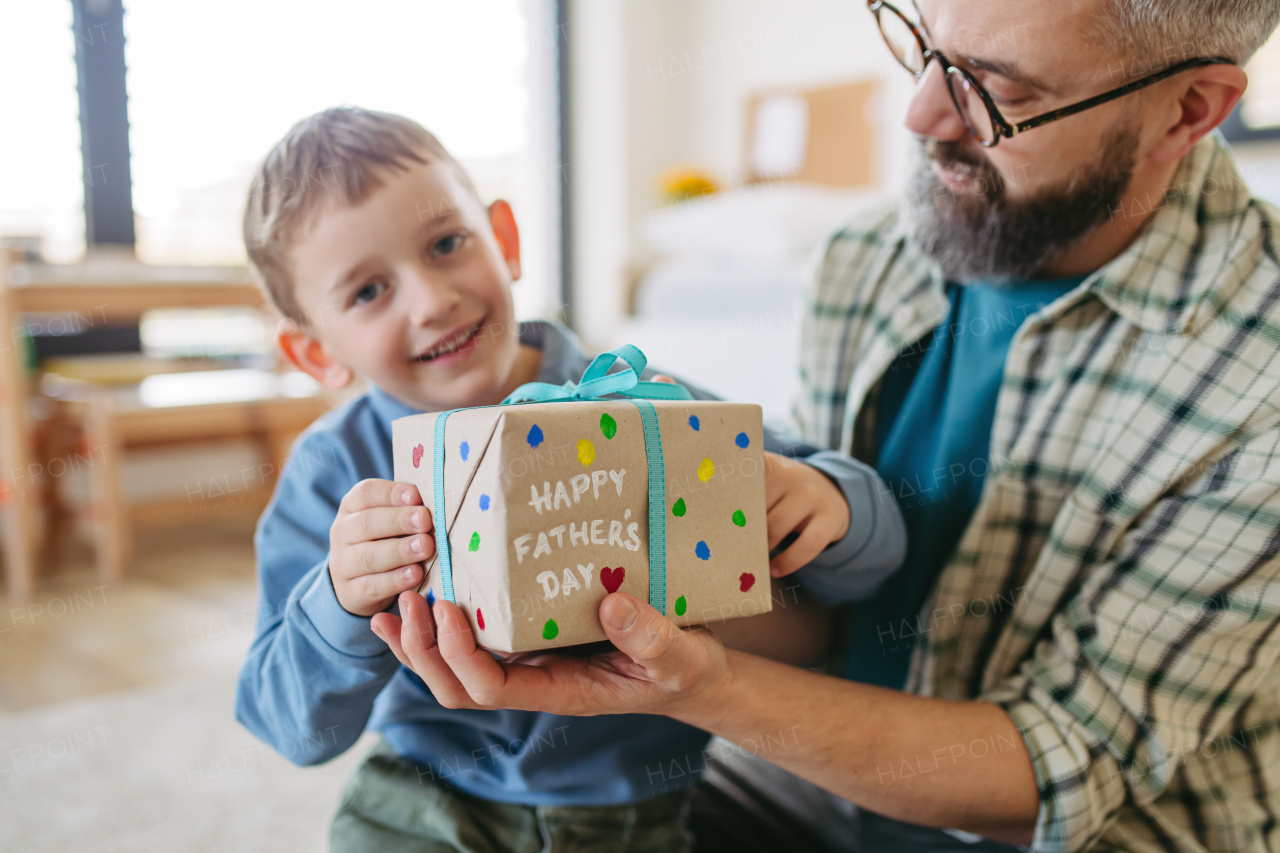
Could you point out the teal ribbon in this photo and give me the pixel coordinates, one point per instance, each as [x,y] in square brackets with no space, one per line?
[596,382]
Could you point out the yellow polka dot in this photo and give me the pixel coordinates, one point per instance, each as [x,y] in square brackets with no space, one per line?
[706,470]
[586,451]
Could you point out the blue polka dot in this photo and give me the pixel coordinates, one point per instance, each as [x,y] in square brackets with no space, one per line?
[484,502]
[693,422]
[742,440]
[465,450]
[535,435]
[431,597]
[703,552]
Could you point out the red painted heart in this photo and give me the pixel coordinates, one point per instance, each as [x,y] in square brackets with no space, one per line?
[417,455]
[746,580]
[479,618]
[612,578]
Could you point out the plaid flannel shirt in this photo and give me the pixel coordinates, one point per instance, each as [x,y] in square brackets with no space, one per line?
[1117,589]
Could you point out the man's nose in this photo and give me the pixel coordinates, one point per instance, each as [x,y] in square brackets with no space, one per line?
[429,300]
[931,111]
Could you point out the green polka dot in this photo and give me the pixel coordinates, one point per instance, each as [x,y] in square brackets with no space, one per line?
[475,542]
[681,606]
[550,630]
[678,508]
[739,519]
[608,425]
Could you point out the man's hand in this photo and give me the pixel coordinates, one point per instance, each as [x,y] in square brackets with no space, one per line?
[658,668]
[801,500]
[377,545]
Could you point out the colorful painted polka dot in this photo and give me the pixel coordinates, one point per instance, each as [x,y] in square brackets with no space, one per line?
[535,436]
[550,630]
[608,426]
[681,606]
[678,508]
[706,470]
[465,450]
[742,440]
[693,422]
[484,502]
[703,552]
[475,542]
[739,518]
[586,451]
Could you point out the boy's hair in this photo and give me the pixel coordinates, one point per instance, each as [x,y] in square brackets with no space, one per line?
[339,153]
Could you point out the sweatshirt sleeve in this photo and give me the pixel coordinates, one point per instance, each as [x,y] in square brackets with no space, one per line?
[874,547]
[312,674]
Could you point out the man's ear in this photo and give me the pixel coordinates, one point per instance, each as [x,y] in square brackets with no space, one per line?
[311,357]
[1205,102]
[503,222]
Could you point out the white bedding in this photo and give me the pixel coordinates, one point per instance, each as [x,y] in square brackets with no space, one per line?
[722,308]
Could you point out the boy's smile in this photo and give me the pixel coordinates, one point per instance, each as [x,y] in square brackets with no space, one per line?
[411,289]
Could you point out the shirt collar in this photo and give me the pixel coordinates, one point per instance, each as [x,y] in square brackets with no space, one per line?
[1187,250]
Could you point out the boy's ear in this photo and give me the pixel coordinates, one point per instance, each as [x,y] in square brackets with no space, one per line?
[310,356]
[503,222]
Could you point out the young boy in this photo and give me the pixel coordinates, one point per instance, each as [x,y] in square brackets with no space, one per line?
[373,244]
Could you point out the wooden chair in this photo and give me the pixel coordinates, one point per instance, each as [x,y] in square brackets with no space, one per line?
[115,418]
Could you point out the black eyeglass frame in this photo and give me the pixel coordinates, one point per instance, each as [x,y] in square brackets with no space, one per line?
[1002,126]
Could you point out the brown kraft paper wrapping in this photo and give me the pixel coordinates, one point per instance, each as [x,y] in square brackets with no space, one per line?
[548,512]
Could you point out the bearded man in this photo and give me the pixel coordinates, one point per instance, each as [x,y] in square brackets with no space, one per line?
[1062,356]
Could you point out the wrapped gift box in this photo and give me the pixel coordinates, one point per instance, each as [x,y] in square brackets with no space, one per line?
[547,510]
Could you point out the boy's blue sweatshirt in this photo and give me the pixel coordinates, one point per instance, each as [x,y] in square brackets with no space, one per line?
[316,676]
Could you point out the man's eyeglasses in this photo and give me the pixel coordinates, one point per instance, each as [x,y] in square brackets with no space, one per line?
[973,102]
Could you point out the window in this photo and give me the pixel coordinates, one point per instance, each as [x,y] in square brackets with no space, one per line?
[41,194]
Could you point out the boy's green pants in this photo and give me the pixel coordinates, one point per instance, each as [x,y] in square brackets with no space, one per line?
[387,808]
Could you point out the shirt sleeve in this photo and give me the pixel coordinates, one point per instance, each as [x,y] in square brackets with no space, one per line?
[312,674]
[1155,653]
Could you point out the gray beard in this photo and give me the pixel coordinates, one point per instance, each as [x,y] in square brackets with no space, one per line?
[991,238]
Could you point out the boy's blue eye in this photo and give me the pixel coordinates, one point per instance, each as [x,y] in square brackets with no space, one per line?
[369,292]
[447,245]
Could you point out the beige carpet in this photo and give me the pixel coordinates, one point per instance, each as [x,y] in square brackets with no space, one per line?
[158,768]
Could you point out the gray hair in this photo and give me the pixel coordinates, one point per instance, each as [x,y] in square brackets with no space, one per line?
[1155,33]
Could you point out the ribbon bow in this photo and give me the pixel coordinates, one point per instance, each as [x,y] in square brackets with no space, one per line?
[598,382]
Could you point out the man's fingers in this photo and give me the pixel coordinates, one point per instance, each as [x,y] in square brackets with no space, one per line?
[388,626]
[383,522]
[655,644]
[481,675]
[370,493]
[418,636]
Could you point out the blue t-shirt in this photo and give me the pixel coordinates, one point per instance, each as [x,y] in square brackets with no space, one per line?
[936,409]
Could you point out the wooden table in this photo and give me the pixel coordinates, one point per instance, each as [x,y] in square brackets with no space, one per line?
[93,293]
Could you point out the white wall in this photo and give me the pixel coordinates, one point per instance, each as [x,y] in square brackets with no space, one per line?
[662,83]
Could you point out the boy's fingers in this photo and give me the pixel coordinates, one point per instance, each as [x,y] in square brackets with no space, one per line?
[370,493]
[783,518]
[383,555]
[809,545]
[662,377]
[381,586]
[382,522]
[418,637]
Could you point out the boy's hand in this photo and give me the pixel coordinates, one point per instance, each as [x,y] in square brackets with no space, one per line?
[803,501]
[377,545]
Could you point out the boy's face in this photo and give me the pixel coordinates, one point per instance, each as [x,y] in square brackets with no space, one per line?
[410,289]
